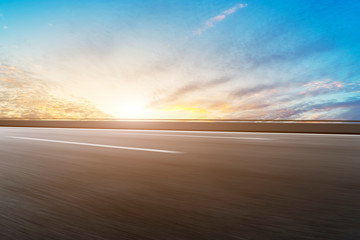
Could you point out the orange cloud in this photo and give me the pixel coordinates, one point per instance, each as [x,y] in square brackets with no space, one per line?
[24,97]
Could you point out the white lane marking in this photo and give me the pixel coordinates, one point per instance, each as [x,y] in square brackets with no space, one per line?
[178,131]
[135,132]
[97,145]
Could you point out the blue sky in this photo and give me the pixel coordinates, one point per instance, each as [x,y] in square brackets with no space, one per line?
[253,59]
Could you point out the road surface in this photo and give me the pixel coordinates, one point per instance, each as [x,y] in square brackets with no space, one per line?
[129,184]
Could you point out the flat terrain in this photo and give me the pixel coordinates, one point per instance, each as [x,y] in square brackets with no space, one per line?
[128,184]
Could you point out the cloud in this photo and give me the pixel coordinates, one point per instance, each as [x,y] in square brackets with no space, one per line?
[5,27]
[331,109]
[188,89]
[262,57]
[26,97]
[281,100]
[353,113]
[210,23]
[272,100]
[255,90]
[328,84]
[320,87]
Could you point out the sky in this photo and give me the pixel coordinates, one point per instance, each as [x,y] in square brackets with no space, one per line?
[174,59]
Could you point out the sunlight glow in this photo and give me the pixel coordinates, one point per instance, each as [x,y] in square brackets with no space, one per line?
[130,108]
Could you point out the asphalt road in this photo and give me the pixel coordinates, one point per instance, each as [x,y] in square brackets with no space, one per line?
[128,184]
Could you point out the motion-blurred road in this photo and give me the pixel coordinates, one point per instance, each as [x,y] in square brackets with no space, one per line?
[128,184]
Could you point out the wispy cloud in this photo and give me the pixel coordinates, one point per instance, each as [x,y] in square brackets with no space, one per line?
[5,27]
[257,90]
[188,89]
[210,23]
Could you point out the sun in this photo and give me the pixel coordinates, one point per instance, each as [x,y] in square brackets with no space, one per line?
[131,108]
